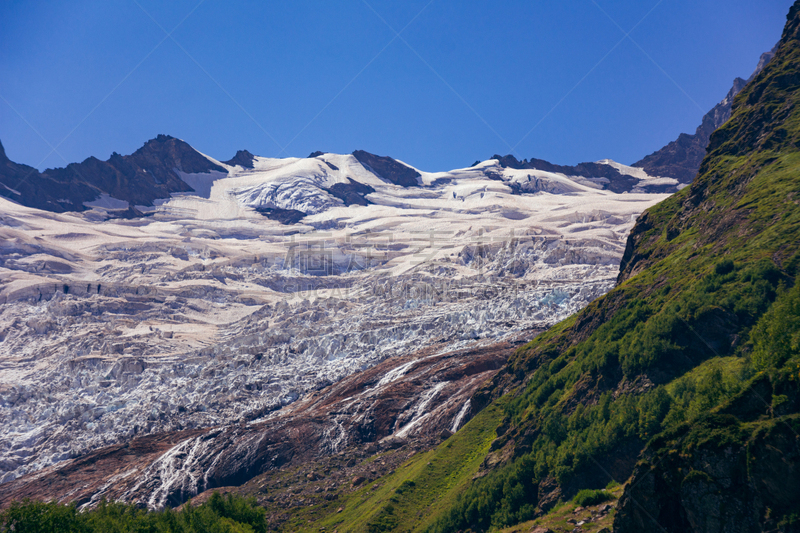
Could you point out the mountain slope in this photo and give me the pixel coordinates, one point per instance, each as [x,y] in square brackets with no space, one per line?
[400,405]
[736,468]
[674,339]
[696,352]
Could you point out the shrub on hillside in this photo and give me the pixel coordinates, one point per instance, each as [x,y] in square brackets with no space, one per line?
[588,497]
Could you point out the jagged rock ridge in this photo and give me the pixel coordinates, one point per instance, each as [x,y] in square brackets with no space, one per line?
[606,175]
[681,158]
[138,179]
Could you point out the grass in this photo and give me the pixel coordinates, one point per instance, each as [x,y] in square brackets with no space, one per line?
[587,497]
[556,519]
[420,489]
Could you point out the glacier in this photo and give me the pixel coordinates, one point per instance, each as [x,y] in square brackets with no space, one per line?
[206,312]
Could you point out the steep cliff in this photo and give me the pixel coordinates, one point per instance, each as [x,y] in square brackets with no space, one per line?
[735,468]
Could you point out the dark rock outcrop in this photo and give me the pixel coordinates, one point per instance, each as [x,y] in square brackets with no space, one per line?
[243,158]
[389,169]
[352,193]
[139,179]
[284,216]
[744,481]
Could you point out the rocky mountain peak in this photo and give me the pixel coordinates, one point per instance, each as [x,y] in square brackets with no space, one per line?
[152,172]
[243,158]
[765,58]
[389,169]
[169,152]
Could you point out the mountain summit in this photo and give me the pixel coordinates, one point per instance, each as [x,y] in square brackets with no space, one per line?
[150,173]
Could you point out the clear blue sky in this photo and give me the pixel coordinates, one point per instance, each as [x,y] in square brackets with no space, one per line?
[557,80]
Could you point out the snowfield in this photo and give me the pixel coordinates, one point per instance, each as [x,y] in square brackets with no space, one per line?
[208,312]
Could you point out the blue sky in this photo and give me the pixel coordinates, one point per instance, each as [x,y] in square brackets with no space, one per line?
[438,84]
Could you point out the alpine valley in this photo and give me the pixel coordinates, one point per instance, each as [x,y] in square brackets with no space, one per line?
[344,342]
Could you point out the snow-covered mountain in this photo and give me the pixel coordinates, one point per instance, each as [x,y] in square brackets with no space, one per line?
[271,278]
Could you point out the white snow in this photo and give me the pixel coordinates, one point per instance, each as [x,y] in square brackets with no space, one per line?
[200,182]
[636,172]
[14,191]
[107,201]
[460,416]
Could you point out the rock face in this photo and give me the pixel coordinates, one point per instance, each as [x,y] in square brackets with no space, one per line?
[410,399]
[141,178]
[746,485]
[605,175]
[388,169]
[681,158]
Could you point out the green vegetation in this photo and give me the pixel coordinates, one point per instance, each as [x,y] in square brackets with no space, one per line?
[228,514]
[569,443]
[410,498]
[557,518]
[587,497]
